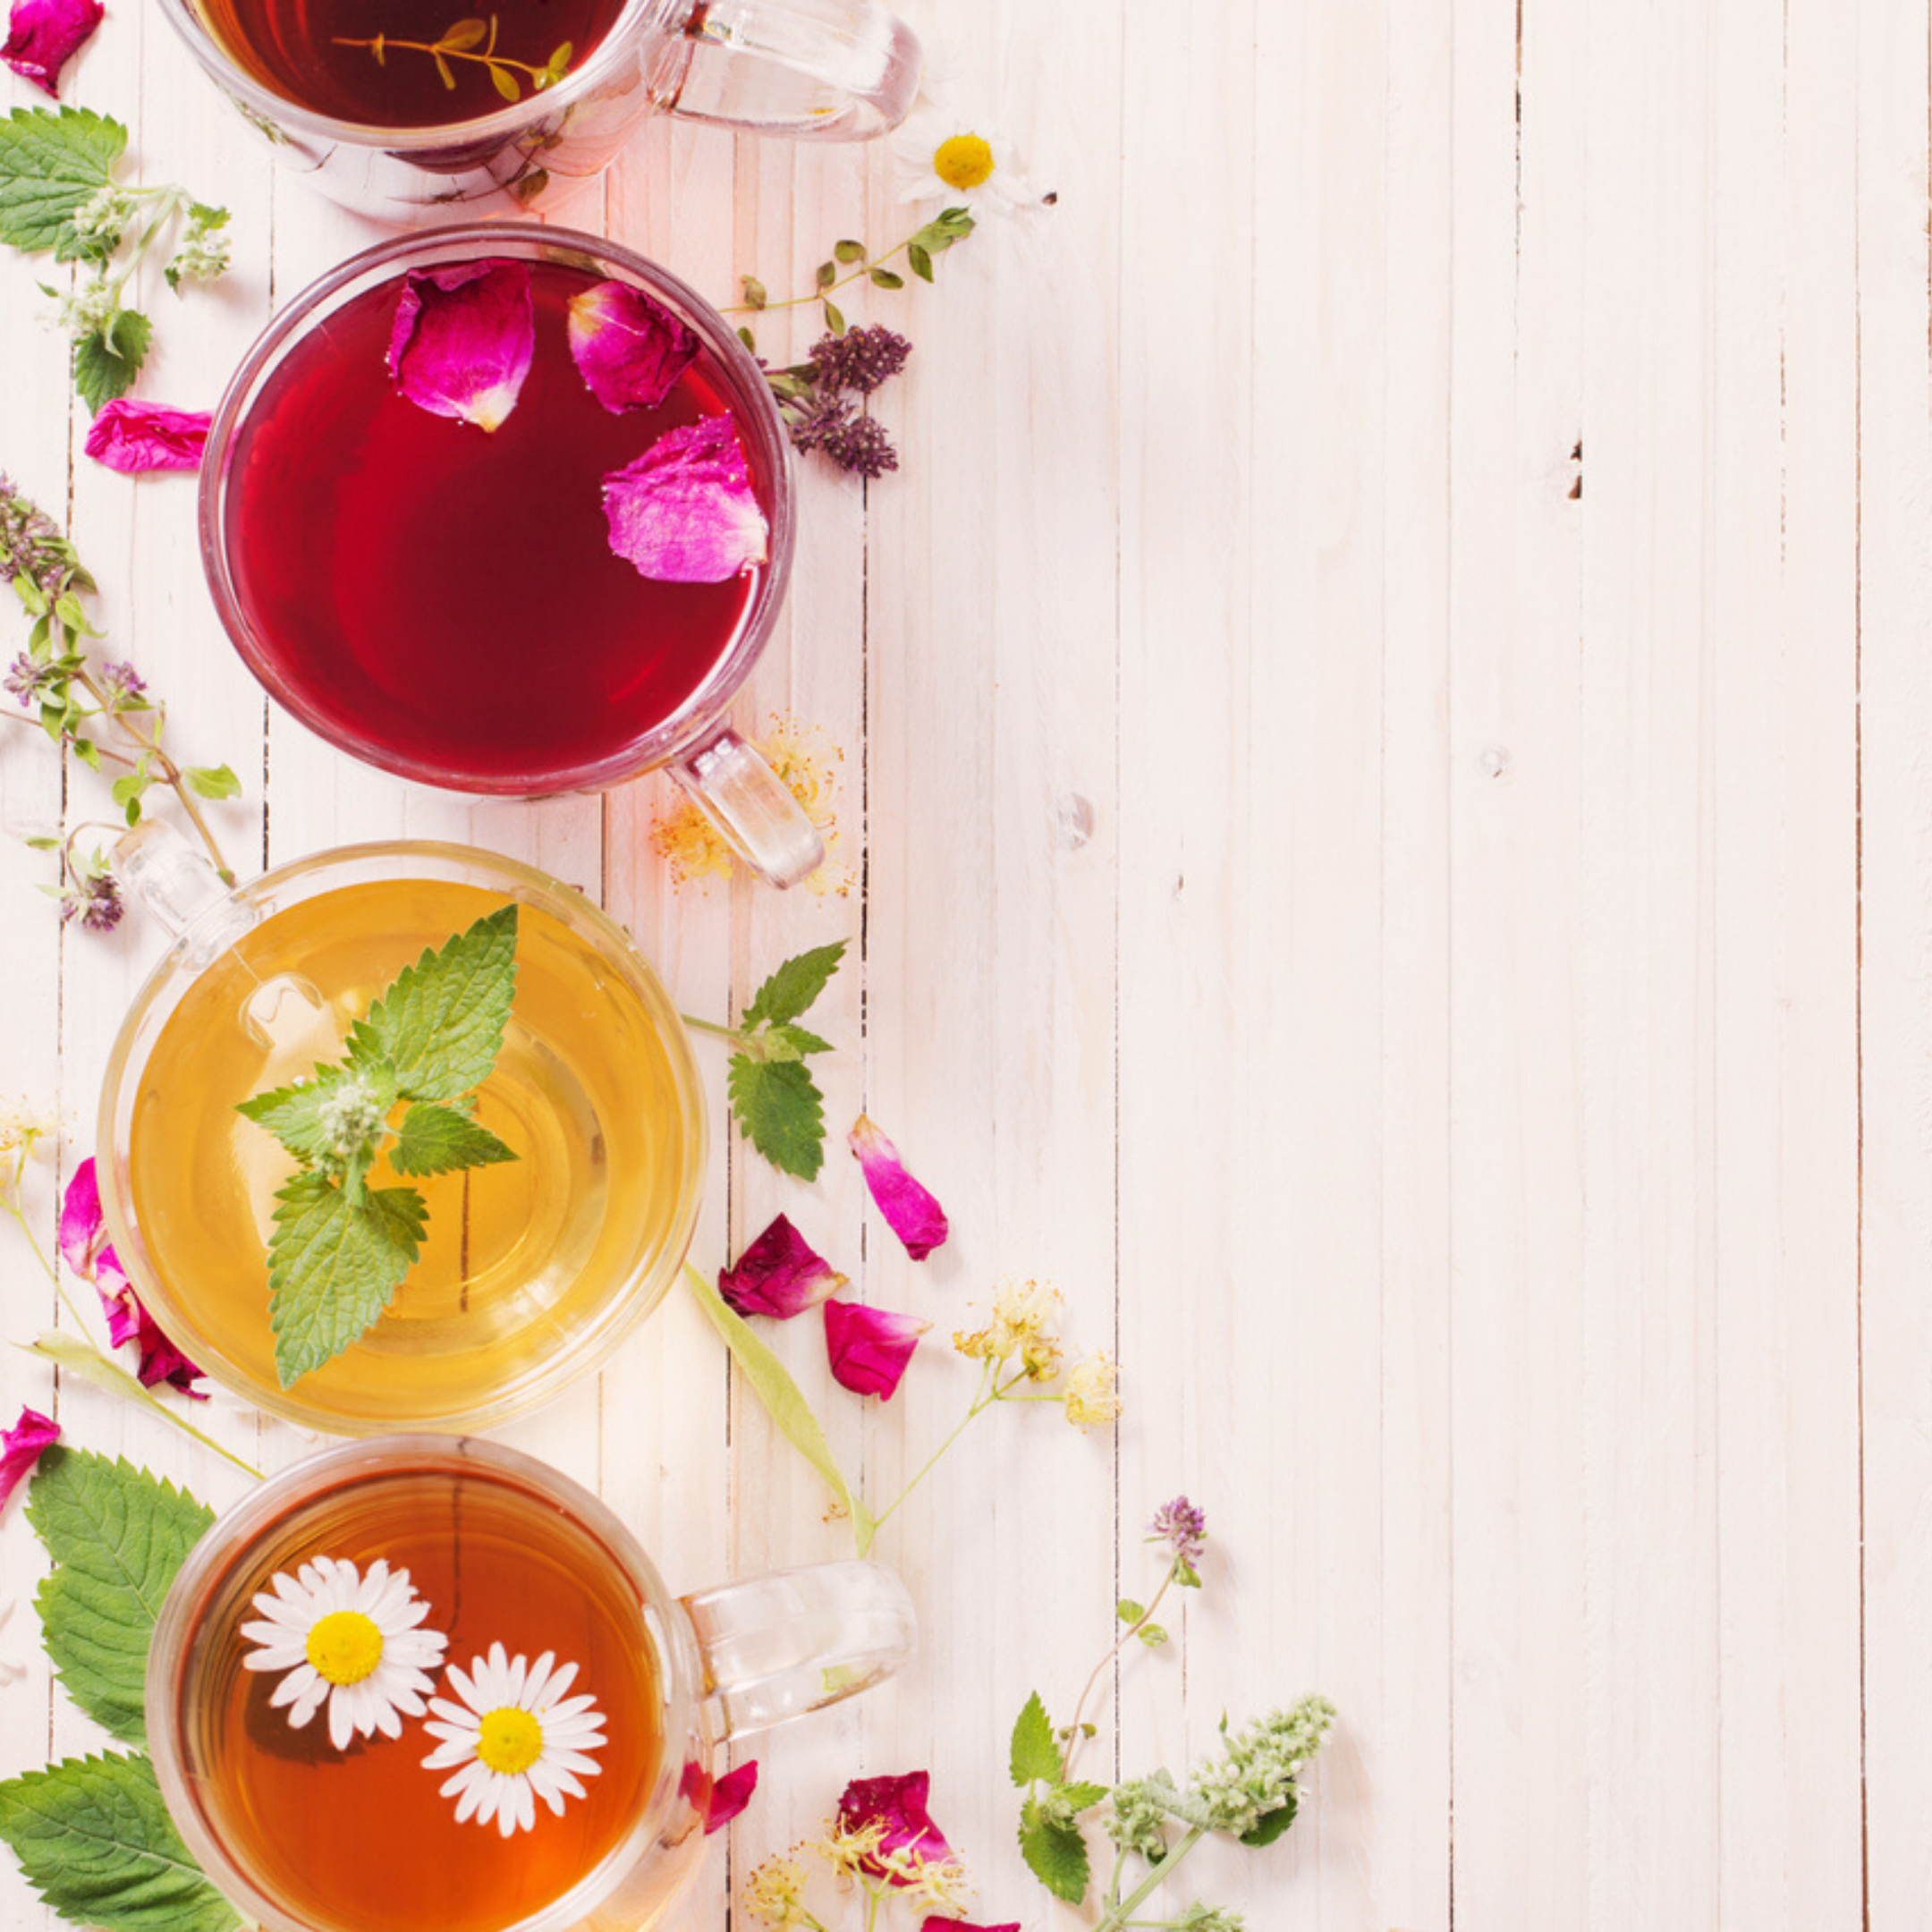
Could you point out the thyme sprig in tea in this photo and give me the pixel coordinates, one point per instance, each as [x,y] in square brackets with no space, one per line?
[473,39]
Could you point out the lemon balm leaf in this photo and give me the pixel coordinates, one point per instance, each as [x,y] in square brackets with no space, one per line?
[779,1110]
[310,1118]
[117,1536]
[438,1140]
[441,1025]
[106,362]
[1035,1754]
[792,990]
[95,1840]
[333,1266]
[51,161]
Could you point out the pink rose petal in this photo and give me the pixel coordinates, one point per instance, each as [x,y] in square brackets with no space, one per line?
[684,512]
[43,35]
[779,1275]
[464,339]
[83,1233]
[730,1795]
[898,1805]
[910,1210]
[131,436]
[870,1347]
[629,350]
[21,1447]
[959,1925]
[83,1246]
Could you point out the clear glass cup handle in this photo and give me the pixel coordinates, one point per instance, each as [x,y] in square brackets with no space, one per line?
[823,70]
[778,1645]
[746,799]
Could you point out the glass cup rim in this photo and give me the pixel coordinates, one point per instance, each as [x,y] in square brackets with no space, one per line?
[606,59]
[212,1557]
[141,1026]
[693,721]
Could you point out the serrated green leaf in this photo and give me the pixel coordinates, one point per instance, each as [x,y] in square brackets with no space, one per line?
[783,1400]
[1271,1824]
[116,1535]
[295,1115]
[438,1140]
[799,1039]
[779,1109]
[793,989]
[51,161]
[1034,1754]
[95,1841]
[441,1024]
[332,1267]
[1080,1797]
[212,781]
[1055,1854]
[105,364]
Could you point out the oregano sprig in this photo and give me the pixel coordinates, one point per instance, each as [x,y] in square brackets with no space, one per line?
[342,1248]
[473,39]
[944,231]
[774,1098]
[58,193]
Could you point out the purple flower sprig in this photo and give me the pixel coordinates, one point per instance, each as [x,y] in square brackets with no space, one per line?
[826,401]
[99,711]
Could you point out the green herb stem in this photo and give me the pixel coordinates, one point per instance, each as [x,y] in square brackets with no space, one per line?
[712,1027]
[1126,1636]
[984,1397]
[862,272]
[1118,1917]
[150,747]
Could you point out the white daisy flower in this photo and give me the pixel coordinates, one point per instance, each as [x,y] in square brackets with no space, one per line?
[520,1739]
[948,153]
[352,1641]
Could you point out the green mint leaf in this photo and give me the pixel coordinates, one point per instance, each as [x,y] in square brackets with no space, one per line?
[438,1140]
[333,1266]
[441,1025]
[212,781]
[1269,1826]
[1055,1854]
[1035,1755]
[779,1110]
[798,1040]
[783,1400]
[794,987]
[1127,1610]
[117,1535]
[335,1119]
[95,1840]
[1081,1797]
[105,364]
[51,161]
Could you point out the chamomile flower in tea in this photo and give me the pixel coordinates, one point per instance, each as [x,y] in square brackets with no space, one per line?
[517,1737]
[351,1640]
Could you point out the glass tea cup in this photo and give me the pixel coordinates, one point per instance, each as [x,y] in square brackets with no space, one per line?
[416,113]
[531,1270]
[442,601]
[311,1823]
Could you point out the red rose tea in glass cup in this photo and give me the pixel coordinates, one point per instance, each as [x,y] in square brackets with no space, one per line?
[443,600]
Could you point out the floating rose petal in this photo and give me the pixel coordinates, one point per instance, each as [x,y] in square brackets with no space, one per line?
[464,339]
[43,35]
[629,350]
[778,1275]
[910,1210]
[684,512]
[730,1795]
[870,1347]
[131,436]
[21,1447]
[898,1806]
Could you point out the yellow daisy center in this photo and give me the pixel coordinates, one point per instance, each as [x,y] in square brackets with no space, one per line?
[510,1741]
[965,161]
[344,1646]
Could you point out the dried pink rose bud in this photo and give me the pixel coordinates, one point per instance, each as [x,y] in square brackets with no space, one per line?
[21,1447]
[898,1806]
[629,349]
[684,512]
[43,35]
[911,1211]
[131,436]
[730,1795]
[464,339]
[779,1275]
[870,1347]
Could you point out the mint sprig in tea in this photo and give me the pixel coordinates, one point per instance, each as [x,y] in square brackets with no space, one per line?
[407,63]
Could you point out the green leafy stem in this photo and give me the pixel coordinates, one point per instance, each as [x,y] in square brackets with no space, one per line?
[949,226]
[474,39]
[341,1248]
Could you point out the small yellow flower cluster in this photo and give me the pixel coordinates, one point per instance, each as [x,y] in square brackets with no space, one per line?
[807,763]
[1022,1311]
[772,1893]
[1091,1392]
[937,1885]
[22,1125]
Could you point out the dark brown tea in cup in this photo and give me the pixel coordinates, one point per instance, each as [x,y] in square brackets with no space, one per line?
[407,63]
